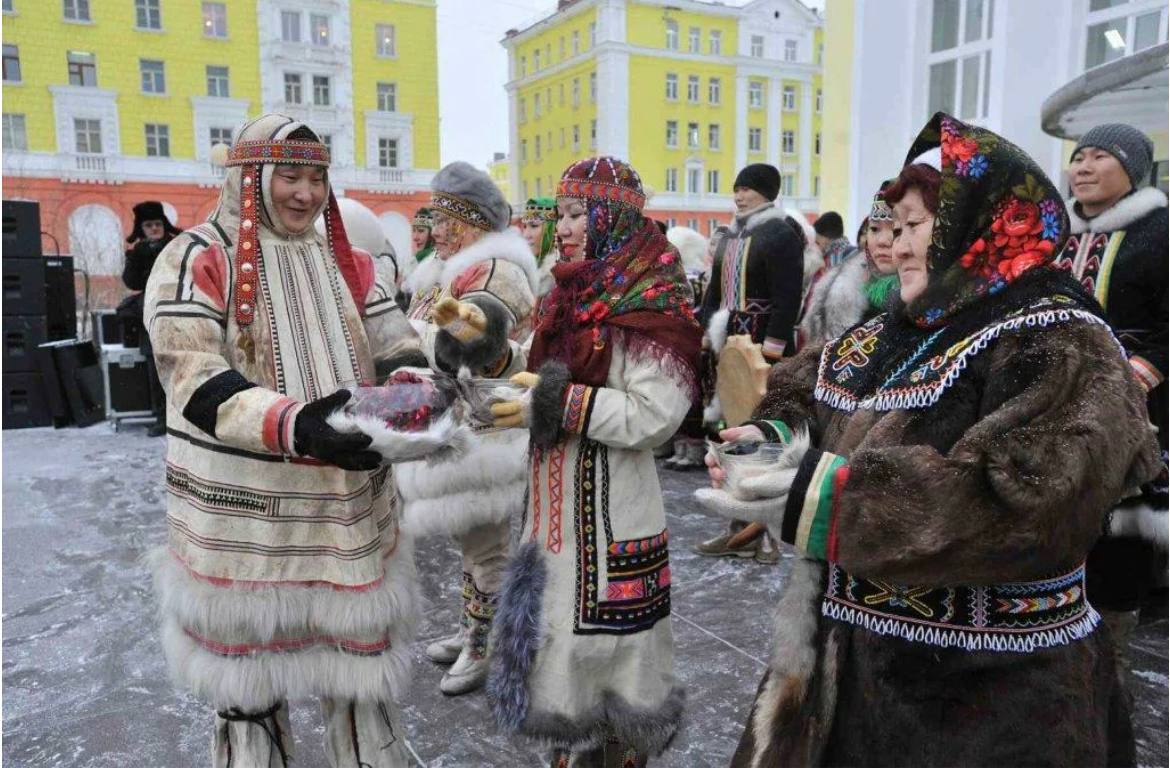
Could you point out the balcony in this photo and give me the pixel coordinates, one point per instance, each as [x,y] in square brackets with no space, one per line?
[90,163]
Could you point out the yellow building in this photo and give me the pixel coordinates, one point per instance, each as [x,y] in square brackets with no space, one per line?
[500,169]
[689,92]
[133,94]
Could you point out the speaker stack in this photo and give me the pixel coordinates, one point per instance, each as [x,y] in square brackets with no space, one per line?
[39,306]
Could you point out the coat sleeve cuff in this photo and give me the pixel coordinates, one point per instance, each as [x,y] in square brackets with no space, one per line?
[578,409]
[773,348]
[775,431]
[810,514]
[1146,372]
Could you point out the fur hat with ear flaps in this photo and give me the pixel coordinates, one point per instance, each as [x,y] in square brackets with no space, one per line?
[150,210]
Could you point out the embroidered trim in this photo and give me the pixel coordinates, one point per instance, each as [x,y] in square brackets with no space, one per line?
[541,213]
[1105,272]
[773,347]
[1019,617]
[422,221]
[734,273]
[944,369]
[460,209]
[537,458]
[1146,373]
[556,496]
[578,408]
[600,190]
[283,152]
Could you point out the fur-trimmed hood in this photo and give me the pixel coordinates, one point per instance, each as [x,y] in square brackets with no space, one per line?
[508,245]
[814,259]
[754,218]
[1126,211]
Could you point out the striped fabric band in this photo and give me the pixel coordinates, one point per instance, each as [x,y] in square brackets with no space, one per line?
[809,516]
[734,275]
[773,347]
[1105,271]
[775,431]
[278,426]
[1146,372]
[578,407]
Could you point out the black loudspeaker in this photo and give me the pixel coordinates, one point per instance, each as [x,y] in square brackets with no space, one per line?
[73,382]
[24,401]
[129,384]
[24,286]
[60,298]
[22,336]
[22,229]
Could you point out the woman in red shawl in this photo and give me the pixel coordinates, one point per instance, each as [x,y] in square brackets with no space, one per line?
[583,650]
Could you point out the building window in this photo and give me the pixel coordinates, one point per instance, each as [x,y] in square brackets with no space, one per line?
[670,222]
[788,142]
[539,188]
[327,140]
[671,35]
[537,146]
[561,48]
[319,28]
[672,133]
[712,188]
[593,134]
[592,34]
[217,82]
[523,66]
[715,43]
[754,140]
[148,14]
[522,109]
[816,186]
[1114,31]
[385,40]
[693,135]
[712,225]
[713,88]
[387,153]
[88,136]
[293,93]
[576,138]
[82,68]
[7,6]
[757,51]
[219,135]
[671,180]
[548,54]
[693,38]
[548,103]
[755,94]
[387,97]
[820,54]
[790,50]
[788,104]
[214,20]
[322,96]
[788,185]
[694,179]
[11,64]
[820,100]
[671,87]
[576,92]
[524,188]
[576,42]
[523,150]
[290,26]
[77,10]
[15,137]
[154,79]
[536,111]
[593,86]
[713,136]
[817,144]
[693,89]
[960,60]
[536,61]
[158,140]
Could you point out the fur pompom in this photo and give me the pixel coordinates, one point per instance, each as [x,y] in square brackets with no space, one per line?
[444,440]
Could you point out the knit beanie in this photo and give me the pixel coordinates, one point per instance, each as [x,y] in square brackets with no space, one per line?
[1132,148]
[761,177]
[830,225]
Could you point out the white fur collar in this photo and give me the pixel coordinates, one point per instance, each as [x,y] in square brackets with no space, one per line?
[1127,210]
[425,275]
[746,222]
[508,245]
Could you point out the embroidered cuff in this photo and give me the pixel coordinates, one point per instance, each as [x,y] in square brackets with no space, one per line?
[773,348]
[279,420]
[775,431]
[810,515]
[578,408]
[1146,372]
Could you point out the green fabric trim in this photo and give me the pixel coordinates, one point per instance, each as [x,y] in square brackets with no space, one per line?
[877,289]
[421,255]
[818,536]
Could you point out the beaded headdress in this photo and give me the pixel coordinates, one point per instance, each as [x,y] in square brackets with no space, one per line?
[540,208]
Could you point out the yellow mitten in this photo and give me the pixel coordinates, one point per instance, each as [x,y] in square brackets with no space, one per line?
[463,320]
[515,413]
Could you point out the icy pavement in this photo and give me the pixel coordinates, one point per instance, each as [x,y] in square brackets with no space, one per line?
[84,679]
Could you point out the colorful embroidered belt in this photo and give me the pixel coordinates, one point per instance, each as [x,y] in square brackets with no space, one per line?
[1017,617]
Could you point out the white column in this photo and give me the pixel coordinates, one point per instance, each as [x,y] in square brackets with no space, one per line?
[613,104]
[805,139]
[741,113]
[772,132]
[513,142]
[611,21]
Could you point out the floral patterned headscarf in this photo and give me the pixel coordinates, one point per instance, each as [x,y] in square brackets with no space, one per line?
[998,217]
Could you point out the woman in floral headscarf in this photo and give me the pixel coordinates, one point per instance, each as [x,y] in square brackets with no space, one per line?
[949,465]
[583,653]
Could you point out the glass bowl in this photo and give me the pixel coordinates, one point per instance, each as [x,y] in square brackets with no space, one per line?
[409,401]
[482,394]
[744,458]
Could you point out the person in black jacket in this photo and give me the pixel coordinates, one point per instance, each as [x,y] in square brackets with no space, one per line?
[756,289]
[1117,251]
[152,231]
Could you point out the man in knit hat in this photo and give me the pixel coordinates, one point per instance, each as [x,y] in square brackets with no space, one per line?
[1118,252]
[756,290]
[469,301]
[831,238]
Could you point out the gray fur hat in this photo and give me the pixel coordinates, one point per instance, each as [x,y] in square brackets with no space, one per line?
[1132,148]
[466,193]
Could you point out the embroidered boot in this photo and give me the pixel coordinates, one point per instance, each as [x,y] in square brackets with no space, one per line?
[612,754]
[364,733]
[470,670]
[252,739]
[446,650]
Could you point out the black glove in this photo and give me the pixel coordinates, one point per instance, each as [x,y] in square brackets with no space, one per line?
[312,436]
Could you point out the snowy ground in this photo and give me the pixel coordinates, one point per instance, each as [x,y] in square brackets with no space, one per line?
[83,674]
